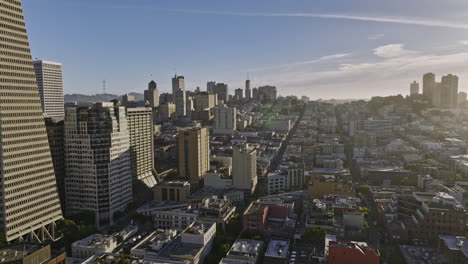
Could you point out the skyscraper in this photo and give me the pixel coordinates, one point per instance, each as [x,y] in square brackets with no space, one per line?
[50,84]
[449,91]
[414,88]
[152,94]
[179,95]
[247,95]
[97,157]
[238,94]
[222,90]
[193,153]
[29,204]
[428,85]
[225,120]
[210,86]
[140,128]
[244,168]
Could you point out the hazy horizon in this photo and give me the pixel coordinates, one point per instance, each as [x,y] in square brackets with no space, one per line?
[325,50]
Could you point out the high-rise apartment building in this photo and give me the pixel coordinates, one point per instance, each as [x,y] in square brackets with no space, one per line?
[414,88]
[205,100]
[166,111]
[140,127]
[210,86]
[449,91]
[244,168]
[55,134]
[97,158]
[443,94]
[429,84]
[267,93]
[193,153]
[29,203]
[248,94]
[179,95]
[238,94]
[225,120]
[221,89]
[50,84]
[152,95]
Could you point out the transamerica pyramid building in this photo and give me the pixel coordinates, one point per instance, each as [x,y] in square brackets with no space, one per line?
[29,203]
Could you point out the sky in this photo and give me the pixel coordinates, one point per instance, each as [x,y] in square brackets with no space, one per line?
[323,48]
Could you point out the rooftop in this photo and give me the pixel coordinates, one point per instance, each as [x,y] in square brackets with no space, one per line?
[456,243]
[245,247]
[277,249]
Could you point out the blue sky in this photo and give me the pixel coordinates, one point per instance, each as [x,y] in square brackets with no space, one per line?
[321,48]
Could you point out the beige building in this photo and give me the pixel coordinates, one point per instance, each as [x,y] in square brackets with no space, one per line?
[193,153]
[172,191]
[244,168]
[141,130]
[225,120]
[205,100]
[30,203]
[328,184]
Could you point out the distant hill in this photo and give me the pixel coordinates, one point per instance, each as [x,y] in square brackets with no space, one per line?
[98,97]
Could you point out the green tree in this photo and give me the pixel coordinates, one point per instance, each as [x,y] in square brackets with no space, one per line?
[314,236]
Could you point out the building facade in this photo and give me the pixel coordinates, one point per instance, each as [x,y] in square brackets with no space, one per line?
[244,168]
[29,199]
[152,95]
[193,153]
[225,120]
[50,84]
[97,157]
[141,132]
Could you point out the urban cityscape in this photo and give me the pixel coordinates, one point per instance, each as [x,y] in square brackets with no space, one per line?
[226,174]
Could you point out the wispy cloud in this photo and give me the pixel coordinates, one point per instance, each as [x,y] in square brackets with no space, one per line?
[376,36]
[299,63]
[380,19]
[391,51]
[390,75]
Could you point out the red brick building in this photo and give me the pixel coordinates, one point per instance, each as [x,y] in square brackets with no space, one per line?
[344,252]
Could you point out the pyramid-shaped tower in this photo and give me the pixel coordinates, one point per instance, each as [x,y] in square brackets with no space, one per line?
[29,202]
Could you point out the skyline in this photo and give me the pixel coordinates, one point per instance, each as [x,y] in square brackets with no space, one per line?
[385,49]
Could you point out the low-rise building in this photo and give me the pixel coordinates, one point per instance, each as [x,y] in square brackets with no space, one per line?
[343,252]
[94,244]
[172,191]
[277,252]
[245,250]
[454,248]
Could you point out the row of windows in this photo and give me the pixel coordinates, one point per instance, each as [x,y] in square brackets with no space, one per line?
[15,7]
[19,42]
[48,186]
[15,128]
[55,210]
[28,167]
[23,121]
[14,28]
[8,163]
[19,22]
[31,82]
[23,180]
[19,75]
[29,136]
[42,193]
[16,68]
[13,34]
[16,56]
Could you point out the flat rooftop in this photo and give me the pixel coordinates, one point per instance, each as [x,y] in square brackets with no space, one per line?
[244,247]
[277,249]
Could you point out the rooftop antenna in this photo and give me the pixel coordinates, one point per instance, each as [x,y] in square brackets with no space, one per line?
[104,86]
[248,77]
